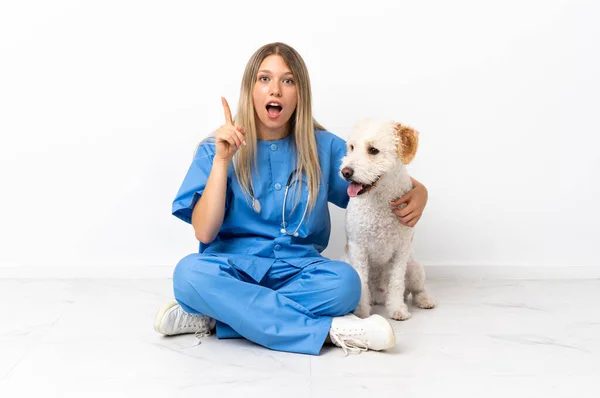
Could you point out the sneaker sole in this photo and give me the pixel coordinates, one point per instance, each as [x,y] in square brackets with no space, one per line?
[161,314]
[391,338]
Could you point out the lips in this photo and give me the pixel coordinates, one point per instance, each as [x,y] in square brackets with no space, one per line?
[274,109]
[355,188]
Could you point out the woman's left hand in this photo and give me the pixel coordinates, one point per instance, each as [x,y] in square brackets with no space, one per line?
[415,200]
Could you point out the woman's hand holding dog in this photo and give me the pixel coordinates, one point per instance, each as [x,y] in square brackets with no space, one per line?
[416,200]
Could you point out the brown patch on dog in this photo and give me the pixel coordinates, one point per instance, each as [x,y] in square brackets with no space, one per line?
[409,141]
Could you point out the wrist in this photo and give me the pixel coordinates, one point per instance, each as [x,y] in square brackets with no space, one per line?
[221,163]
[414,182]
[417,184]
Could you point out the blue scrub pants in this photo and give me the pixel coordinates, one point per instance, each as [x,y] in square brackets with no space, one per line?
[290,309]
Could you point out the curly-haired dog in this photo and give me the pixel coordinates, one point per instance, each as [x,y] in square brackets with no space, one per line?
[379,247]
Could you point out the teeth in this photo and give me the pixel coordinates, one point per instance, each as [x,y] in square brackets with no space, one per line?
[273,104]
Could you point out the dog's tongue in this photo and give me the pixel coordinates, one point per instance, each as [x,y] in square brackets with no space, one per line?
[354,189]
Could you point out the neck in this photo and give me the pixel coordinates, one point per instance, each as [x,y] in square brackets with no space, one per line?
[266,134]
[394,183]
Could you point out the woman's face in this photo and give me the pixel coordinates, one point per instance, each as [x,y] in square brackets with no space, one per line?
[275,97]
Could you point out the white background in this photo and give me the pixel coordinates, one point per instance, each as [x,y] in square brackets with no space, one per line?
[102,104]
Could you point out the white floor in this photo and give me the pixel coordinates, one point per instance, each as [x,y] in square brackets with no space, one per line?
[487,338]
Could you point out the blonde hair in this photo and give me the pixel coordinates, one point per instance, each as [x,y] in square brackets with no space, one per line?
[302,124]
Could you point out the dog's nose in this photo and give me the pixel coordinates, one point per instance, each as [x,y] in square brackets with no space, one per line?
[347,172]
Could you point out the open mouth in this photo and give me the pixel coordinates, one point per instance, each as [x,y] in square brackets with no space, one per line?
[274,110]
[356,188]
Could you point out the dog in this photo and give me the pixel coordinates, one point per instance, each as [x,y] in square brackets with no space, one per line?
[378,246]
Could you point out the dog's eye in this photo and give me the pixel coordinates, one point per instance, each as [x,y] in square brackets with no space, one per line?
[373,151]
[351,147]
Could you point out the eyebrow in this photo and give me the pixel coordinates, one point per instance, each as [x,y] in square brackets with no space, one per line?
[269,72]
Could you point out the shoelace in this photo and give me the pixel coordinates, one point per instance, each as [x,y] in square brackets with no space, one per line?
[191,320]
[348,343]
[198,322]
[199,336]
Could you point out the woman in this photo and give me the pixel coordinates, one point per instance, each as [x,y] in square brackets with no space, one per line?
[257,196]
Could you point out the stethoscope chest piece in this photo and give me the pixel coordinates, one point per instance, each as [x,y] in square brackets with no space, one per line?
[255,205]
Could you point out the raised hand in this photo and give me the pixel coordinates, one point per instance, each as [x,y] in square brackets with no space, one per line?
[228,137]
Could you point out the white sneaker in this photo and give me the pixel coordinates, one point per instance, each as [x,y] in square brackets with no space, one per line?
[171,319]
[356,335]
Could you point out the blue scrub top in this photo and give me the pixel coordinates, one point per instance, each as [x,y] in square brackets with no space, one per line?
[251,240]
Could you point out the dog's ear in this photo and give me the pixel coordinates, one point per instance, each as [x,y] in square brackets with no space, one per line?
[408,141]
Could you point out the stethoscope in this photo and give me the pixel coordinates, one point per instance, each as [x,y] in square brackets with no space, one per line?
[256,205]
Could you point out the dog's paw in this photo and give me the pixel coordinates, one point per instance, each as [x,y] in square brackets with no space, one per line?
[423,300]
[399,314]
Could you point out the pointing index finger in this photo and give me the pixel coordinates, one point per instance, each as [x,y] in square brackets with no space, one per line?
[228,118]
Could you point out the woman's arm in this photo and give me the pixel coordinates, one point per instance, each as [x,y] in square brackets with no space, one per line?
[416,200]
[208,213]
